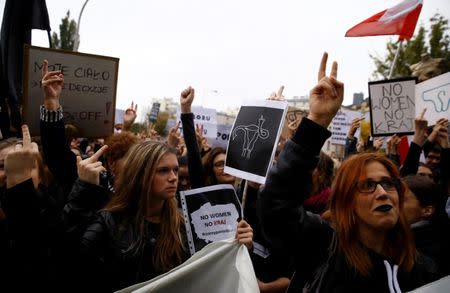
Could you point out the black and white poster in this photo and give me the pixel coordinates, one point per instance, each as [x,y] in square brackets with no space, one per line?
[392,106]
[253,139]
[210,214]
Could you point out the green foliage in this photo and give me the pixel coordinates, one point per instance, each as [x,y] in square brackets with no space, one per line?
[67,30]
[161,122]
[137,128]
[411,51]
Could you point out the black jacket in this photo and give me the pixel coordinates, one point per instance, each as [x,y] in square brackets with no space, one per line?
[287,226]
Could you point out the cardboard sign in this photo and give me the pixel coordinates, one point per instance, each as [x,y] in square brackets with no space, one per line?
[206,117]
[254,138]
[89,92]
[211,214]
[392,106]
[434,94]
[341,125]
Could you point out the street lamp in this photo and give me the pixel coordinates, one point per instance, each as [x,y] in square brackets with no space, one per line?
[77,35]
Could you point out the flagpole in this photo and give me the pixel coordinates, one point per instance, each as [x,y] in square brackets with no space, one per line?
[391,71]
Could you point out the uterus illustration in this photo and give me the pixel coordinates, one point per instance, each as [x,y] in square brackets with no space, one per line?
[252,133]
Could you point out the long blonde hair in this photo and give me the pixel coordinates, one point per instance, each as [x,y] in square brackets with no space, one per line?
[132,196]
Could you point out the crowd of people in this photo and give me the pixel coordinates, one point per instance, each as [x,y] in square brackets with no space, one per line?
[80,215]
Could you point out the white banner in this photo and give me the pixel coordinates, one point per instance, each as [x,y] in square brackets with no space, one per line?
[220,267]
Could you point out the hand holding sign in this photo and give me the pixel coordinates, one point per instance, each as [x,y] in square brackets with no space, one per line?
[244,234]
[434,136]
[277,96]
[52,83]
[356,123]
[89,169]
[420,129]
[327,96]
[21,163]
[186,99]
[442,136]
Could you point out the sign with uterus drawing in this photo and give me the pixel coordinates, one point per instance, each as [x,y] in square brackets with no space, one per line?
[253,139]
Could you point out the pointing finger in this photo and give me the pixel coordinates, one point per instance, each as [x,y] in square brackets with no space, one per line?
[423,113]
[44,67]
[97,154]
[26,136]
[280,91]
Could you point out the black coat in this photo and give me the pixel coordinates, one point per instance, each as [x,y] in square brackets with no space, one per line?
[287,226]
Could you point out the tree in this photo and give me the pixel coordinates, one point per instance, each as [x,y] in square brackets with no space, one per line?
[411,51]
[67,30]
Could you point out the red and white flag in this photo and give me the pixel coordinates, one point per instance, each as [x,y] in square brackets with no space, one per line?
[398,20]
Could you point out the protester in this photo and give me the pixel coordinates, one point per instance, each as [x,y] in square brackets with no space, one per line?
[140,232]
[368,247]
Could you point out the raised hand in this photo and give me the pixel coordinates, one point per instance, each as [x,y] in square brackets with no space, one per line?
[326,97]
[174,136]
[129,116]
[186,99]
[244,234]
[442,136]
[378,143]
[277,96]
[52,83]
[392,144]
[420,129]
[437,127]
[356,123]
[21,163]
[89,169]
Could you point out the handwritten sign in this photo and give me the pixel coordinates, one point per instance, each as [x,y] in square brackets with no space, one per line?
[205,117]
[434,94]
[89,93]
[392,106]
[211,214]
[341,125]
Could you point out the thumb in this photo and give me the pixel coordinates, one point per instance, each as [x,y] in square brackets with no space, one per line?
[78,160]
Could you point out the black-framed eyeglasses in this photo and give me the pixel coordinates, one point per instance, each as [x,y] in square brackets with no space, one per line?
[369,185]
[219,164]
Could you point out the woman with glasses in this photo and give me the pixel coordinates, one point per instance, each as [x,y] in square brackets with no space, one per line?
[214,164]
[367,246]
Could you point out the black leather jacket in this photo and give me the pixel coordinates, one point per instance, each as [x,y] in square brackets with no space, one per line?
[287,226]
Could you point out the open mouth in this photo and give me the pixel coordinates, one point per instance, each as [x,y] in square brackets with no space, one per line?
[384,208]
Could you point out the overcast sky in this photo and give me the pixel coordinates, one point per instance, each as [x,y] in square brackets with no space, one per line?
[227,50]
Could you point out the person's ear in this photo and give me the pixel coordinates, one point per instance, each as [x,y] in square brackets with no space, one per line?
[428,211]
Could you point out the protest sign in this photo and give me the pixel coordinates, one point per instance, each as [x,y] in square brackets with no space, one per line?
[220,267]
[223,136]
[392,106]
[205,117]
[293,114]
[118,117]
[341,125]
[210,213]
[89,92]
[153,116]
[434,94]
[254,139]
